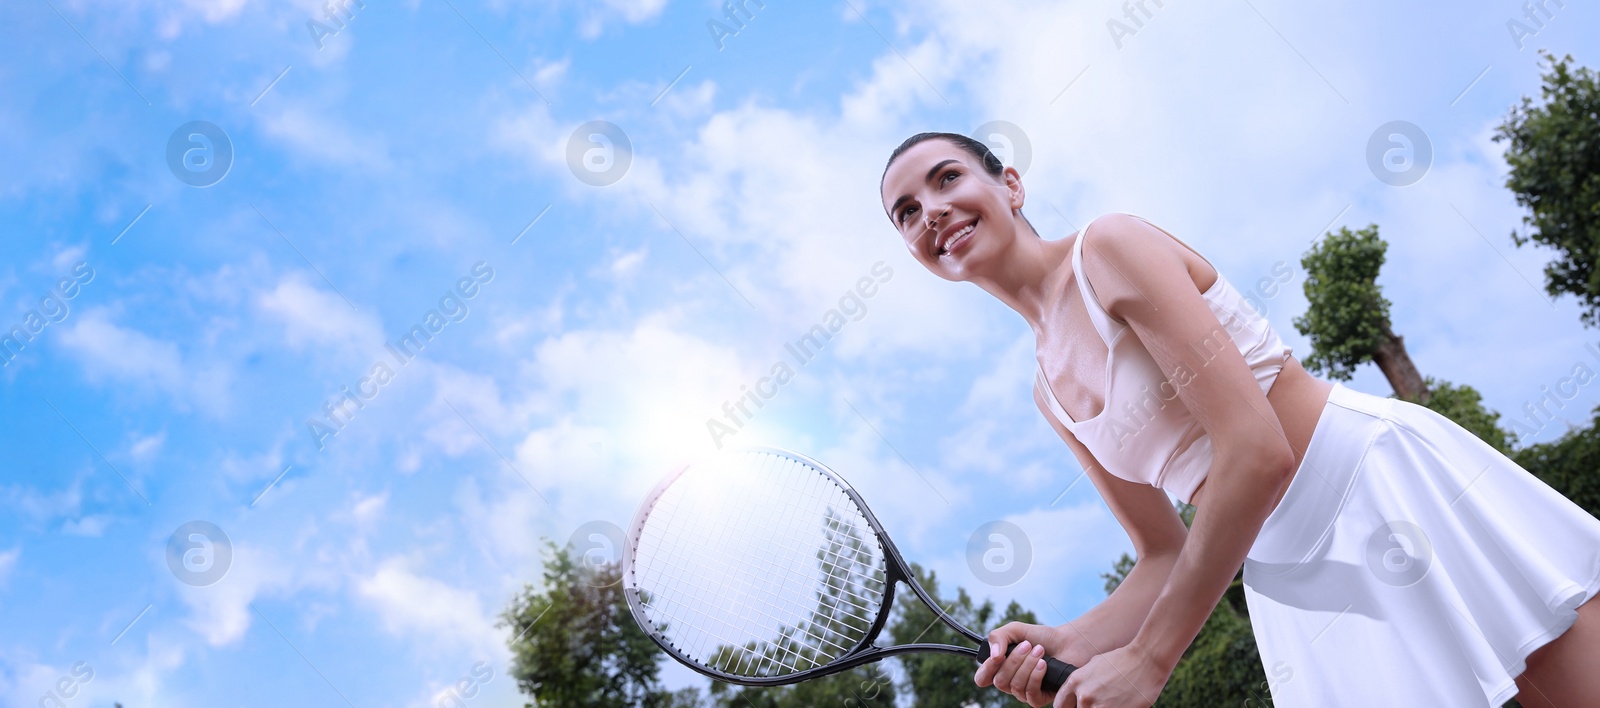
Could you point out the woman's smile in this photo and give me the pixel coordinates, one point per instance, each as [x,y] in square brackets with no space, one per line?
[957,238]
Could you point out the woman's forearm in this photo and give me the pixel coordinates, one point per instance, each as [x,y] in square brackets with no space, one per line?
[1237,504]
[1114,622]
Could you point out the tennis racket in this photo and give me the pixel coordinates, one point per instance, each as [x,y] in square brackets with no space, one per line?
[763,567]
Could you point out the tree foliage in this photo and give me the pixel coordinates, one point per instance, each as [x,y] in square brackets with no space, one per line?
[1348,312]
[1569,464]
[1553,149]
[1464,405]
[574,642]
[1221,666]
[867,686]
[853,572]
[1348,320]
[945,680]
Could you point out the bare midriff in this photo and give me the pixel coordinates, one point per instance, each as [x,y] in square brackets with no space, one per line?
[1298,398]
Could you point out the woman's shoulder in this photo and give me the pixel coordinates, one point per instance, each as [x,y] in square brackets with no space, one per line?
[1112,224]
[1128,238]
[1122,238]
[1128,257]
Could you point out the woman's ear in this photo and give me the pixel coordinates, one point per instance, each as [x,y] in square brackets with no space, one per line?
[1012,179]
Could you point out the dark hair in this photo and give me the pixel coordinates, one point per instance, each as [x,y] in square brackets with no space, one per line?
[976,148]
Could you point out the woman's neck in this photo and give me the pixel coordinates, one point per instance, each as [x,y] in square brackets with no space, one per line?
[1027,276]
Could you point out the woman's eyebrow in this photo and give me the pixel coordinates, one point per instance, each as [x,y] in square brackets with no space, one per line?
[928,178]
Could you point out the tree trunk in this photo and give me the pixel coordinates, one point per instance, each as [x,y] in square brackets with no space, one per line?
[1396,364]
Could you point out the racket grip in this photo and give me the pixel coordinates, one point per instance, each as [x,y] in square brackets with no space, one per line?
[1055,671]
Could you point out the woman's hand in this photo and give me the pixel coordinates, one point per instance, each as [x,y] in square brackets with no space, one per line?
[1121,678]
[1021,673]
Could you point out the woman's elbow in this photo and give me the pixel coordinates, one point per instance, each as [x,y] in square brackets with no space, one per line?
[1271,461]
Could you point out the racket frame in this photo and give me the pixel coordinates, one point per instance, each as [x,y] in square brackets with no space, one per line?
[866,651]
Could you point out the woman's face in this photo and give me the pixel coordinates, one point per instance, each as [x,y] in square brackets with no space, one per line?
[934,191]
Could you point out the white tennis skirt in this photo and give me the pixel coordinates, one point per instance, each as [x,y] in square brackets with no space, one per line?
[1410,563]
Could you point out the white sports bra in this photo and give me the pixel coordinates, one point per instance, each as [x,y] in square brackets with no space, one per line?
[1144,433]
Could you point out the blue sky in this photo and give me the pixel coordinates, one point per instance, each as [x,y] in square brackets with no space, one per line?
[426,142]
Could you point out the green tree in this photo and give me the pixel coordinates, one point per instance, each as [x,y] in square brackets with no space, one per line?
[1553,149]
[1222,665]
[945,680]
[1348,317]
[1464,405]
[574,642]
[862,687]
[849,560]
[1569,464]
[1348,323]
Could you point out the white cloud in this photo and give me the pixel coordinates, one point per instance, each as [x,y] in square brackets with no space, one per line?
[127,357]
[550,74]
[604,414]
[100,679]
[92,526]
[43,507]
[627,263]
[221,613]
[123,354]
[690,102]
[8,562]
[147,446]
[66,258]
[597,16]
[321,140]
[1068,546]
[311,316]
[367,509]
[427,609]
[215,11]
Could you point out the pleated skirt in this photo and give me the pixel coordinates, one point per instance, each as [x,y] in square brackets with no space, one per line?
[1410,563]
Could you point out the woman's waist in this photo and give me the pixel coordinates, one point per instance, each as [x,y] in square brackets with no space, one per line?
[1297,398]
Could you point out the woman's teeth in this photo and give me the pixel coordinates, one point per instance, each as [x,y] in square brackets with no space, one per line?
[957,236]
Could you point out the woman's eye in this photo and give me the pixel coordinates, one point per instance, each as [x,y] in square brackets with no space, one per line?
[905,213]
[951,173]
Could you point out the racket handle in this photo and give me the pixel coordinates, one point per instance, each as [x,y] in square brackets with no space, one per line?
[1055,671]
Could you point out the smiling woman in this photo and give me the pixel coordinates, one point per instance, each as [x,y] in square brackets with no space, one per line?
[1390,556]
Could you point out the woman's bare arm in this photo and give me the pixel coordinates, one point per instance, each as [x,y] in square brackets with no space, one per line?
[1157,534]
[1139,277]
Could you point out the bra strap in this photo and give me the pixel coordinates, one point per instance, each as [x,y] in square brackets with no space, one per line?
[1097,314]
[1043,383]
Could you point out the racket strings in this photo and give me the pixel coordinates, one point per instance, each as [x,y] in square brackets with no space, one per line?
[764,566]
[784,643]
[783,650]
[712,622]
[828,556]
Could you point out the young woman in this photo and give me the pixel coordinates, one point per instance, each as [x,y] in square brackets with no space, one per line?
[1390,556]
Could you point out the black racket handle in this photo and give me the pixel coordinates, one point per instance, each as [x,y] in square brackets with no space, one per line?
[1055,671]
